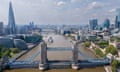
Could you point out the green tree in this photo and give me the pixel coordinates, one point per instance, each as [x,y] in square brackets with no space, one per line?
[14,50]
[3,51]
[87,44]
[99,52]
[8,51]
[114,65]
[103,43]
[111,49]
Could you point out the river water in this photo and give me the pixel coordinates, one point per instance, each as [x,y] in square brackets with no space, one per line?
[97,69]
[59,42]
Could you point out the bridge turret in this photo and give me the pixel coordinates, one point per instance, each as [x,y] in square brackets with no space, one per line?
[75,56]
[43,50]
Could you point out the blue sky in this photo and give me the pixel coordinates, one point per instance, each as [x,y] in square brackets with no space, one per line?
[59,11]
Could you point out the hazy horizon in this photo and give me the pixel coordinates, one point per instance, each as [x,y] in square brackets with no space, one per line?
[59,11]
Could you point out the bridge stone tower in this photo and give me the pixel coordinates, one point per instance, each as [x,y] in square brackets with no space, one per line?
[43,50]
[75,56]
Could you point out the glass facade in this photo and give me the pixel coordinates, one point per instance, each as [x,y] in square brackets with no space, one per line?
[11,22]
[106,23]
[93,24]
[117,20]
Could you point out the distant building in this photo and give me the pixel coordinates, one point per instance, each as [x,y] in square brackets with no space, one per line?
[117,20]
[11,22]
[31,26]
[24,29]
[93,24]
[1,28]
[107,23]
[13,43]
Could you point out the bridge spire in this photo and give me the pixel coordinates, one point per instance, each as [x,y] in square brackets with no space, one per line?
[75,56]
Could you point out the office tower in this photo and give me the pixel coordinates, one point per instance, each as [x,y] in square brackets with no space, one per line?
[93,24]
[1,28]
[11,22]
[106,23]
[117,20]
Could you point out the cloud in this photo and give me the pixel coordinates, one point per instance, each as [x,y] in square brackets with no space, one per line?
[75,1]
[58,11]
[95,5]
[60,3]
[77,9]
[112,10]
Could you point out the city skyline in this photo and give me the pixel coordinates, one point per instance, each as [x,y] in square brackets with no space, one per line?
[59,11]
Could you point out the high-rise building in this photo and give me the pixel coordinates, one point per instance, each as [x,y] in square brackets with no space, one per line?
[11,22]
[117,20]
[1,28]
[118,13]
[107,23]
[93,24]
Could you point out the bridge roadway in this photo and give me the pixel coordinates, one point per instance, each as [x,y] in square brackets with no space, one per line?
[59,53]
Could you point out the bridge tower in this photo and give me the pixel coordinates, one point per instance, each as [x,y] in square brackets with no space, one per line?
[75,56]
[43,63]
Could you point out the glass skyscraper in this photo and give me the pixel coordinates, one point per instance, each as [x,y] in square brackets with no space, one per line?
[117,20]
[107,23]
[93,24]
[11,22]
[1,28]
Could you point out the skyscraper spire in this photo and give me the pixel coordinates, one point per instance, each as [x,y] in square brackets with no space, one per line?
[11,22]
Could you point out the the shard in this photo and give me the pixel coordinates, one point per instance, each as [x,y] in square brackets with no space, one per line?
[11,22]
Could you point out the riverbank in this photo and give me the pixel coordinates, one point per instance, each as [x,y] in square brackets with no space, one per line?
[91,51]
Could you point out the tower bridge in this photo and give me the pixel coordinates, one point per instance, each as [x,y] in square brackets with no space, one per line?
[59,54]
[45,63]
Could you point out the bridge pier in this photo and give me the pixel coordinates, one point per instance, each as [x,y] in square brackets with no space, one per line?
[75,56]
[43,63]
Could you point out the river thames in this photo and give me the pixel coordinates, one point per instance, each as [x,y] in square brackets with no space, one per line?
[59,41]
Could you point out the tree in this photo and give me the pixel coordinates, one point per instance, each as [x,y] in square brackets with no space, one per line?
[10,52]
[86,44]
[99,52]
[114,65]
[14,50]
[3,51]
[111,49]
[103,43]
